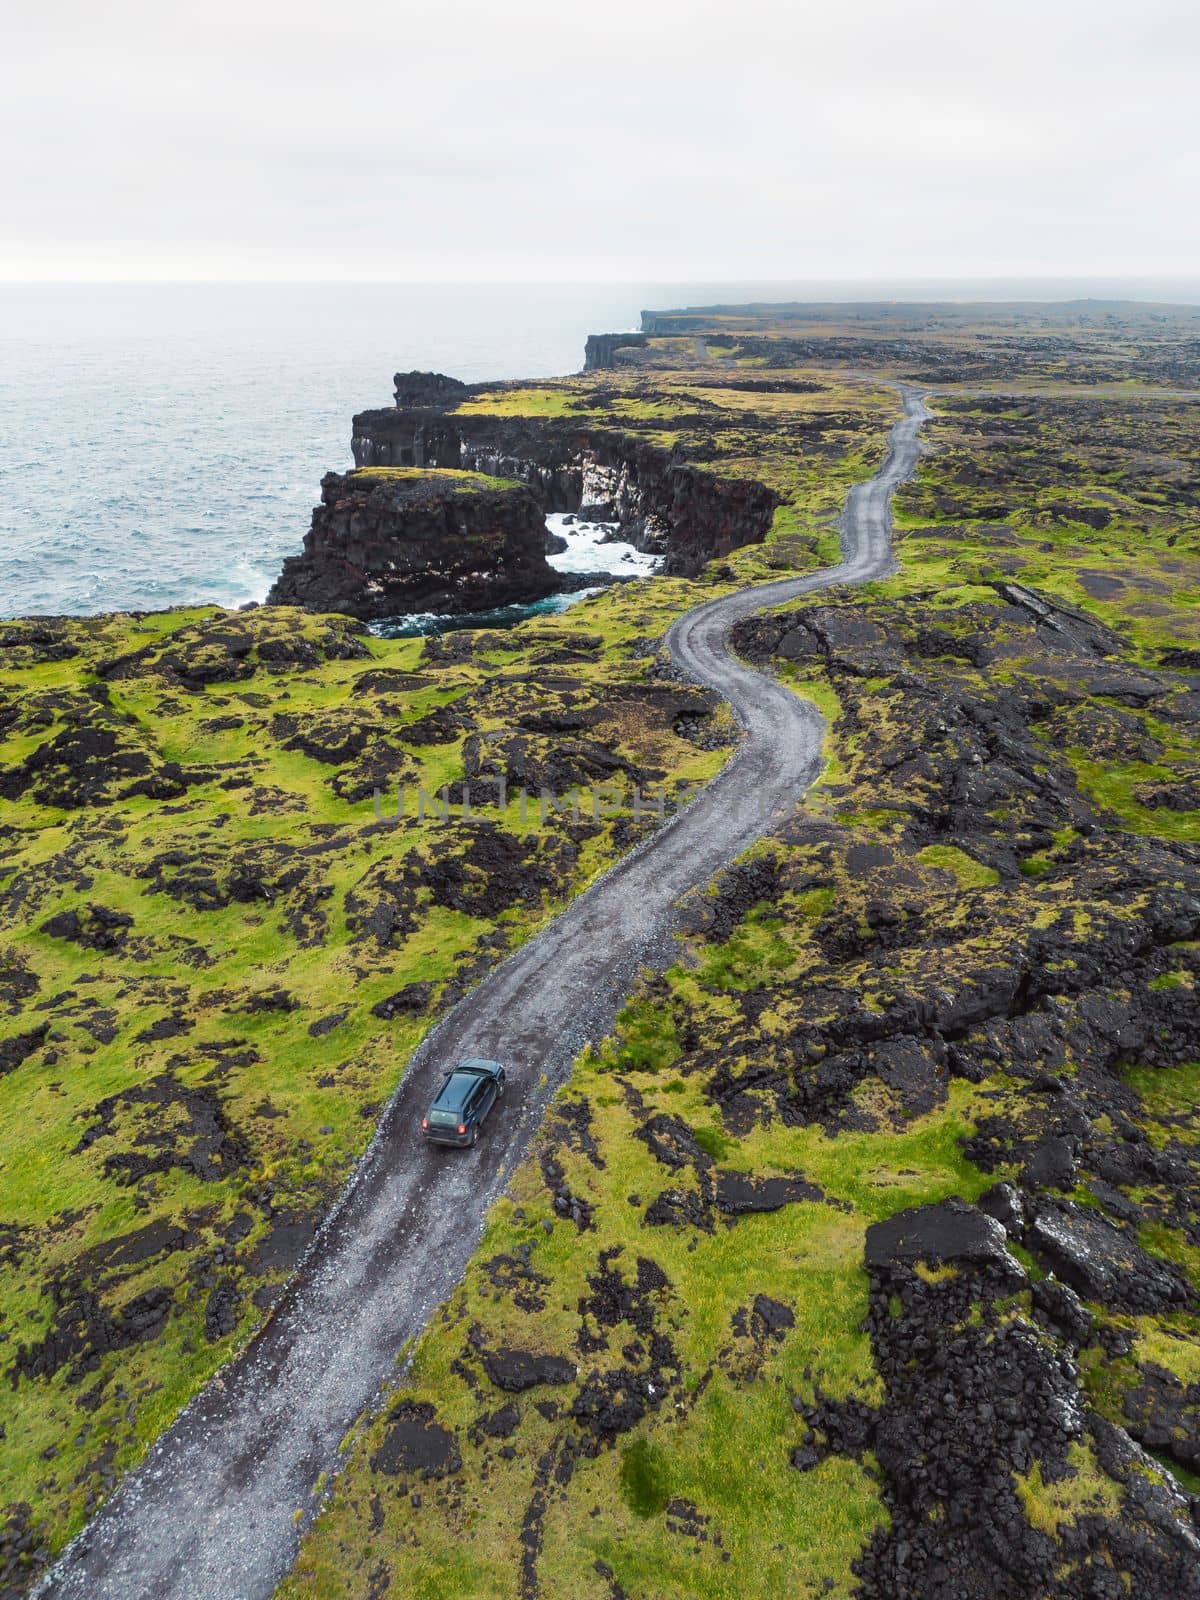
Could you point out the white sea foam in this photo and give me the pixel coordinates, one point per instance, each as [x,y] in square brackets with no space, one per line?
[587,550]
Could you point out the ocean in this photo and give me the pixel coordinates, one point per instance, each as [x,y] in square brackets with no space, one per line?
[164,445]
[590,547]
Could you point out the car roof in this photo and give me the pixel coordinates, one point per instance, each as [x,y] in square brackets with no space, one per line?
[457,1090]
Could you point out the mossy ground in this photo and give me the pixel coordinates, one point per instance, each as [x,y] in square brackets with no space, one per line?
[1120,348]
[449,480]
[910,888]
[991,803]
[713,1441]
[1092,501]
[235,919]
[203,1056]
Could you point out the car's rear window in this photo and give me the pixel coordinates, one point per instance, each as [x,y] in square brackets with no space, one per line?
[441,1118]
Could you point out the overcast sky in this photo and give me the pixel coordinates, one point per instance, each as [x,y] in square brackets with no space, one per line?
[598,139]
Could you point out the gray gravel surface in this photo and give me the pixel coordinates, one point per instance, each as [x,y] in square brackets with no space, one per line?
[210,1514]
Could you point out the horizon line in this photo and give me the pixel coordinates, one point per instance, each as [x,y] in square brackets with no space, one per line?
[618,281]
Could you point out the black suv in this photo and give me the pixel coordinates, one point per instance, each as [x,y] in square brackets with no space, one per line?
[465,1098]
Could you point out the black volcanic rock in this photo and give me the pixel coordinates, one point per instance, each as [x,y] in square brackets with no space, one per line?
[663,503]
[601,348]
[385,541]
[516,1370]
[1104,1263]
[432,389]
[951,1231]
[415,1442]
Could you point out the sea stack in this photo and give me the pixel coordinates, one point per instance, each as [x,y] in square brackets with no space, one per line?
[386,541]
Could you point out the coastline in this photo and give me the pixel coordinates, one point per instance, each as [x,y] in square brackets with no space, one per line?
[191,795]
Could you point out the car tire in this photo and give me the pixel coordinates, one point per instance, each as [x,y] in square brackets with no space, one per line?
[474,1136]
[499,1087]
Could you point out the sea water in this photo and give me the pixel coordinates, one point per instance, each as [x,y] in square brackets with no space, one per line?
[164,445]
[592,546]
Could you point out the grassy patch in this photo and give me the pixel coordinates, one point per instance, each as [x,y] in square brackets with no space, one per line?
[645,1478]
[968,873]
[452,479]
[1084,1491]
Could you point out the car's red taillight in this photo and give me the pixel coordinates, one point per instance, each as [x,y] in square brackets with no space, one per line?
[424,1122]
[462,1127]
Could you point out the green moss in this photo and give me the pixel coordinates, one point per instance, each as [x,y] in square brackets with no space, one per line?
[1034,1273]
[1186,1479]
[645,1477]
[1084,1491]
[452,479]
[970,874]
[1114,786]
[532,400]
[713,1142]
[1168,1095]
[754,953]
[650,1034]
[1179,979]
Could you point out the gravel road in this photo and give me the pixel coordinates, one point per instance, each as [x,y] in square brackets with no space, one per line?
[211,1513]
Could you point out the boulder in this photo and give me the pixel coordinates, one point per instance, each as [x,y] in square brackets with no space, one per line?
[516,1370]
[1103,1262]
[948,1233]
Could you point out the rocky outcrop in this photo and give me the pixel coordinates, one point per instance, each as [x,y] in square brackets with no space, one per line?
[516,1370]
[431,390]
[387,542]
[663,504]
[982,1425]
[600,351]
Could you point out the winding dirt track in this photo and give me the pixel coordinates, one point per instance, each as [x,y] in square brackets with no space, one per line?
[210,1514]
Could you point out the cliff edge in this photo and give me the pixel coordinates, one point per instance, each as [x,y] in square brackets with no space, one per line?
[386,541]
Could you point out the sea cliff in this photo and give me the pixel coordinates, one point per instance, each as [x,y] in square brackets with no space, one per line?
[661,501]
[386,541]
